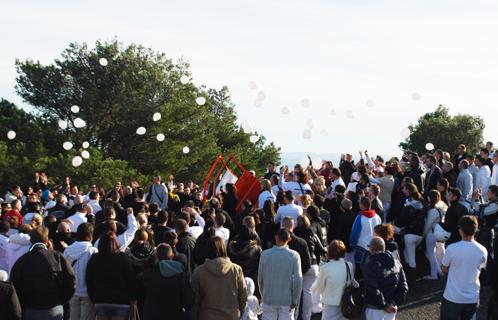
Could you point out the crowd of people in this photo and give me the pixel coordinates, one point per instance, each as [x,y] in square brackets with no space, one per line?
[336,239]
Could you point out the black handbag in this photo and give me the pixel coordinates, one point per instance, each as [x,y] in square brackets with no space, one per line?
[349,307]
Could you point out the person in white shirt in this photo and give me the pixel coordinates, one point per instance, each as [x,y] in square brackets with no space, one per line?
[4,243]
[126,237]
[78,217]
[483,178]
[219,229]
[289,210]
[463,262]
[187,214]
[494,176]
[297,182]
[266,194]
[336,180]
[435,214]
[94,202]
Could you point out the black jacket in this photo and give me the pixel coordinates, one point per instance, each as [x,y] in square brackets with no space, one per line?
[246,254]
[167,291]
[432,179]
[110,279]
[385,281]
[43,279]
[455,211]
[10,309]
[344,224]
[186,245]
[416,175]
[347,168]
[301,247]
[412,218]
[315,246]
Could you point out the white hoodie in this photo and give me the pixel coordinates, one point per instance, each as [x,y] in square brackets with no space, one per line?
[78,254]
[19,244]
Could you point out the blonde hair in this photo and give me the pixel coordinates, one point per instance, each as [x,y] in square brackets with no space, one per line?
[265,185]
[306,200]
[37,220]
[303,221]
[319,185]
[249,222]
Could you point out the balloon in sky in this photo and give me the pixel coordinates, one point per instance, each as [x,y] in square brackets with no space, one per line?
[67,145]
[156,116]
[62,124]
[252,85]
[75,109]
[85,144]
[200,101]
[305,103]
[141,130]
[79,123]
[11,135]
[184,79]
[160,137]
[77,161]
[285,110]
[307,134]
[405,133]
[85,154]
[429,146]
[186,150]
[254,138]
[103,62]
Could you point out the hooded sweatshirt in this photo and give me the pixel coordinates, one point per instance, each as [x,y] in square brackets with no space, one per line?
[19,244]
[363,228]
[220,290]
[78,255]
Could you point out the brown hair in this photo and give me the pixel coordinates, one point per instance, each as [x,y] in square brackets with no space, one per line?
[216,248]
[385,231]
[108,243]
[336,250]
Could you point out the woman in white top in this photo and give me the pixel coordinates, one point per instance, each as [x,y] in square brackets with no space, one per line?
[298,183]
[266,194]
[437,210]
[331,281]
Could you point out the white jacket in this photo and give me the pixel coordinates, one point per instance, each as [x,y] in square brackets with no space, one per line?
[483,180]
[78,254]
[435,215]
[4,247]
[331,281]
[19,244]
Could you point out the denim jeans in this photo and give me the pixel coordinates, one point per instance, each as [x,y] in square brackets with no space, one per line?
[55,313]
[457,311]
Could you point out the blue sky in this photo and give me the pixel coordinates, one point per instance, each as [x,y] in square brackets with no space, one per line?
[337,54]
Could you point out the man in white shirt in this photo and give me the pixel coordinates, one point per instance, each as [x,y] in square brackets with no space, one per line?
[483,178]
[126,237]
[336,180]
[289,210]
[219,229]
[4,241]
[463,262]
[78,217]
[494,176]
[94,202]
[295,182]
[187,214]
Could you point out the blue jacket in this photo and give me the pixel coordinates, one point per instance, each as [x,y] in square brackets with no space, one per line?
[385,281]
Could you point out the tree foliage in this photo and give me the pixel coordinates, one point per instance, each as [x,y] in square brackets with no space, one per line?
[116,99]
[444,131]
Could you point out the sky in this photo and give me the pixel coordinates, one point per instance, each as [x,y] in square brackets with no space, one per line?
[363,59]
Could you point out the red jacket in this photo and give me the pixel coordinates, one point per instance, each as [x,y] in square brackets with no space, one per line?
[12,213]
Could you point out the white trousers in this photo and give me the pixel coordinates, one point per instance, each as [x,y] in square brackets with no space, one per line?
[374,314]
[430,244]
[277,312]
[332,313]
[81,308]
[411,243]
[308,278]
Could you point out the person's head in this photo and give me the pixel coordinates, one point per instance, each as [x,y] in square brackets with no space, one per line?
[249,222]
[493,192]
[37,220]
[162,217]
[434,198]
[94,195]
[313,212]
[282,237]
[181,226]
[384,230]
[377,245]
[346,205]
[365,204]
[411,191]
[269,209]
[335,173]
[265,185]
[164,252]
[463,165]
[170,238]
[447,167]
[109,213]
[108,243]
[442,185]
[454,194]
[156,179]
[302,177]
[303,222]
[467,226]
[318,200]
[85,232]
[215,248]
[219,220]
[336,250]
[39,235]
[287,224]
[289,197]
[305,201]
[92,187]
[25,228]
[231,189]
[373,191]
[479,161]
[62,199]
[438,154]
[431,162]
[271,166]
[484,153]
[4,227]
[461,149]
[63,228]
[489,146]
[16,204]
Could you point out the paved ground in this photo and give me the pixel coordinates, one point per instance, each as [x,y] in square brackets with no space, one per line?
[424,300]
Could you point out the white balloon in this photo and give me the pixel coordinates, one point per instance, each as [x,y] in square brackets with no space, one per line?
[103,62]
[200,101]
[429,146]
[11,135]
[350,114]
[184,79]
[317,162]
[285,110]
[252,85]
[332,112]
[246,126]
[405,133]
[305,162]
[254,138]
[67,145]
[62,124]
[156,116]
[261,95]
[310,124]
[75,109]
[305,103]
[85,154]
[416,96]
[85,144]
[324,132]
[141,130]
[307,134]
[77,161]
[186,150]
[160,137]
[258,103]
[79,123]
[370,103]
